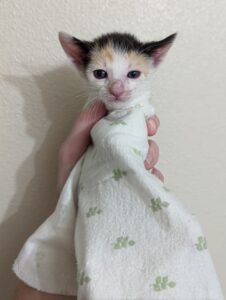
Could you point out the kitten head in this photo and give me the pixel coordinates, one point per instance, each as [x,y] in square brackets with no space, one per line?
[117,66]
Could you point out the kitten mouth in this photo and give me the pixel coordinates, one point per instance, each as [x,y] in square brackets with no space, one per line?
[121,98]
[117,99]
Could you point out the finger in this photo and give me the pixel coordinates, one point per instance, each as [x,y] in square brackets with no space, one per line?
[152,156]
[93,113]
[158,174]
[79,137]
[152,125]
[156,119]
[78,140]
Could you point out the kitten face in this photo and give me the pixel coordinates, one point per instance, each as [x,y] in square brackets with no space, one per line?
[117,66]
[116,76]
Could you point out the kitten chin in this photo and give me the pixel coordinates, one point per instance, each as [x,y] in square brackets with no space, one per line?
[122,105]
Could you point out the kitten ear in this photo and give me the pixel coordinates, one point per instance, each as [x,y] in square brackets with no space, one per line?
[158,50]
[76,49]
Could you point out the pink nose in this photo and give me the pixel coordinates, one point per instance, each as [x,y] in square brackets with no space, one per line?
[117,88]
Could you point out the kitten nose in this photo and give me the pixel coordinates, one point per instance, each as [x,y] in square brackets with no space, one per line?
[116,88]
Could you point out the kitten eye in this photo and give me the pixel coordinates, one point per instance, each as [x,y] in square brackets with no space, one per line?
[133,74]
[100,74]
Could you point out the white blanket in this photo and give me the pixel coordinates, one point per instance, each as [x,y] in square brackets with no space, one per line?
[117,232]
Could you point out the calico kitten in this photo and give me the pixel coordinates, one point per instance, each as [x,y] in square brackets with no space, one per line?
[117,66]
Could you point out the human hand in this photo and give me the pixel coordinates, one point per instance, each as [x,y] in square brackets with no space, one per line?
[79,139]
[153,151]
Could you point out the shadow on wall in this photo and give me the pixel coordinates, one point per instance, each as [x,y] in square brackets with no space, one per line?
[62,96]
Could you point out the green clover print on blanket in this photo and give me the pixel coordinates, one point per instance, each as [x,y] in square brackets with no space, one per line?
[83,278]
[118,122]
[137,151]
[162,283]
[118,174]
[93,211]
[201,243]
[123,242]
[157,204]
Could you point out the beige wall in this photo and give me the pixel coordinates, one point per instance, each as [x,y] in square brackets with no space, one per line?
[39,98]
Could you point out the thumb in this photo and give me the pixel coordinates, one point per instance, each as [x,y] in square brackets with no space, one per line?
[80,133]
[93,113]
[79,139]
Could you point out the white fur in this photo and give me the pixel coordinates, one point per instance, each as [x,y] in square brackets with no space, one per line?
[136,90]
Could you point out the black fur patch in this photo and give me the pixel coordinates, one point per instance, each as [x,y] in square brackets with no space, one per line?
[148,48]
[85,48]
[124,42]
[128,42]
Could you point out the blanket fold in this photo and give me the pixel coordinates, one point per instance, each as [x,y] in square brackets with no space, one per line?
[130,238]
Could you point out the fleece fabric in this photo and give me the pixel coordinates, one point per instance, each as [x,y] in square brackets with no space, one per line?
[117,232]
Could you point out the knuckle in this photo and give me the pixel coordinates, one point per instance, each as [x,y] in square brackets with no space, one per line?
[158,174]
[154,147]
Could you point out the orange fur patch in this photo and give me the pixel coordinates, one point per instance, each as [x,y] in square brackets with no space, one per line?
[135,60]
[105,54]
